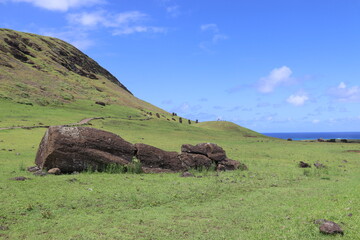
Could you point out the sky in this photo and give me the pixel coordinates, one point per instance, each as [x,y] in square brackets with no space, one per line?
[268,65]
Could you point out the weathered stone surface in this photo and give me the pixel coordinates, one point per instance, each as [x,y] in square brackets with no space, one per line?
[220,168]
[4,228]
[79,148]
[75,149]
[100,103]
[152,157]
[55,171]
[19,178]
[329,227]
[33,169]
[229,164]
[195,161]
[211,150]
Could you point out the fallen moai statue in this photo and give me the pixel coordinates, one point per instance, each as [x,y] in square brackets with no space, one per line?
[76,149]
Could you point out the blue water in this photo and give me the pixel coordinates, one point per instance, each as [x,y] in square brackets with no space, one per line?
[315,135]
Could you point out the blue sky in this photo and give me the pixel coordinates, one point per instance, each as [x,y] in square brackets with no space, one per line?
[268,65]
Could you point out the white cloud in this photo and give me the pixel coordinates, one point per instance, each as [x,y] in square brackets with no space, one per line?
[87,19]
[275,78]
[138,29]
[298,99]
[61,5]
[90,19]
[315,121]
[343,93]
[342,85]
[216,36]
[124,23]
[76,37]
[209,27]
[173,11]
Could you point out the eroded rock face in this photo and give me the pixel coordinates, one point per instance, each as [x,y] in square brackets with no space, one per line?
[79,148]
[211,150]
[152,157]
[304,165]
[75,149]
[195,161]
[329,227]
[229,164]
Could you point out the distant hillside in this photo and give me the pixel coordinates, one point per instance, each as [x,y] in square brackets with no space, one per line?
[43,70]
[229,127]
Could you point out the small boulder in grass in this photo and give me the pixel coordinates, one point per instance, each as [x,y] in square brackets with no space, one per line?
[304,165]
[55,171]
[329,227]
[19,178]
[4,228]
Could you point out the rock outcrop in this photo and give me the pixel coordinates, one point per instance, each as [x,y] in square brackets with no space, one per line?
[79,148]
[329,227]
[75,149]
[152,157]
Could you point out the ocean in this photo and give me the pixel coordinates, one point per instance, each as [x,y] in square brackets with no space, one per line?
[315,135]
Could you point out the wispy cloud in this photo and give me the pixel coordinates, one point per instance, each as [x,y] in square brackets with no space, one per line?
[343,93]
[277,77]
[124,23]
[173,11]
[216,36]
[210,27]
[62,5]
[298,99]
[75,36]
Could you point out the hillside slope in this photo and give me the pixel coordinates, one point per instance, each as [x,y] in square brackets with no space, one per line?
[39,71]
[43,70]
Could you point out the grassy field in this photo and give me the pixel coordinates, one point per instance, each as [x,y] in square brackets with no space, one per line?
[274,199]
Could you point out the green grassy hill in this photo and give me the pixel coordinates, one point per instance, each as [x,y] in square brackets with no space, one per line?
[274,199]
[44,71]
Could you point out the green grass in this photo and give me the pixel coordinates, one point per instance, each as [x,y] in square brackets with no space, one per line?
[274,199]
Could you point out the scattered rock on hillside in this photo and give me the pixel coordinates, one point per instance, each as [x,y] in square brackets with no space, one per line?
[229,164]
[55,171]
[329,227]
[79,148]
[304,165]
[100,103]
[4,228]
[19,178]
